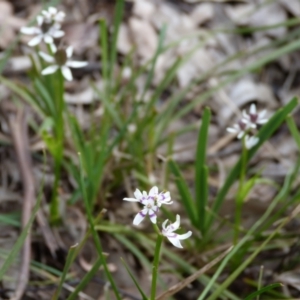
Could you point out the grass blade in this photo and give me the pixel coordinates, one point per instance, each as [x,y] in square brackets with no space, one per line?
[19,243]
[187,199]
[201,172]
[70,258]
[144,297]
[263,290]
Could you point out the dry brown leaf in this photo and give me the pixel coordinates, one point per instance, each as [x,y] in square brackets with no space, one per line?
[9,24]
[144,37]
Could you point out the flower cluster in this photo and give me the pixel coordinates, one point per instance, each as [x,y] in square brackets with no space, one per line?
[249,122]
[152,201]
[48,29]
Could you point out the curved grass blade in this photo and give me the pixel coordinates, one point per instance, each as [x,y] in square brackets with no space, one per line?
[264,133]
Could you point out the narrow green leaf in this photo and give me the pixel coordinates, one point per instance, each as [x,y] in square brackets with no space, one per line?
[201,171]
[19,243]
[144,297]
[187,199]
[69,261]
[263,290]
[86,279]
[264,133]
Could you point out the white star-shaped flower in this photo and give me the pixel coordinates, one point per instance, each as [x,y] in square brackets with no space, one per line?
[45,31]
[174,238]
[151,201]
[251,141]
[239,128]
[254,118]
[61,60]
[53,15]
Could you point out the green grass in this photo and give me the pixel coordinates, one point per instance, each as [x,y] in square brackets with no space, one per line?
[107,160]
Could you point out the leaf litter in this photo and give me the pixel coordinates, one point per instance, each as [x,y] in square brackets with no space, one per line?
[189,25]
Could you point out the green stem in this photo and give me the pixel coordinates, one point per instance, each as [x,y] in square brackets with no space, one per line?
[239,197]
[59,141]
[155,263]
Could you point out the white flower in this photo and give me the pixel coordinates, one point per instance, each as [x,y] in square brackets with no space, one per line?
[46,31]
[53,15]
[254,118]
[61,60]
[240,128]
[151,202]
[251,141]
[174,238]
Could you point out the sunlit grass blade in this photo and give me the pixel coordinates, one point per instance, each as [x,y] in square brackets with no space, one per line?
[144,297]
[264,134]
[69,260]
[19,243]
[187,199]
[263,290]
[201,171]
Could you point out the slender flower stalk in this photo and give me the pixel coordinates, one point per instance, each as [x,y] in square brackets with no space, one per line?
[158,245]
[61,60]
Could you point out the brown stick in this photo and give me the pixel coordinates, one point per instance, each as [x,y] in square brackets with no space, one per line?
[18,129]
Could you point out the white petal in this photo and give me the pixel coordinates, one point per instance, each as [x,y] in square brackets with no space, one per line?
[153,191]
[53,48]
[245,115]
[35,41]
[152,216]
[184,236]
[48,39]
[241,134]
[131,199]
[176,224]
[262,121]
[164,225]
[66,73]
[139,217]
[253,109]
[40,20]
[52,10]
[175,241]
[58,34]
[76,64]
[48,58]
[230,129]
[30,30]
[262,114]
[138,195]
[69,51]
[50,70]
